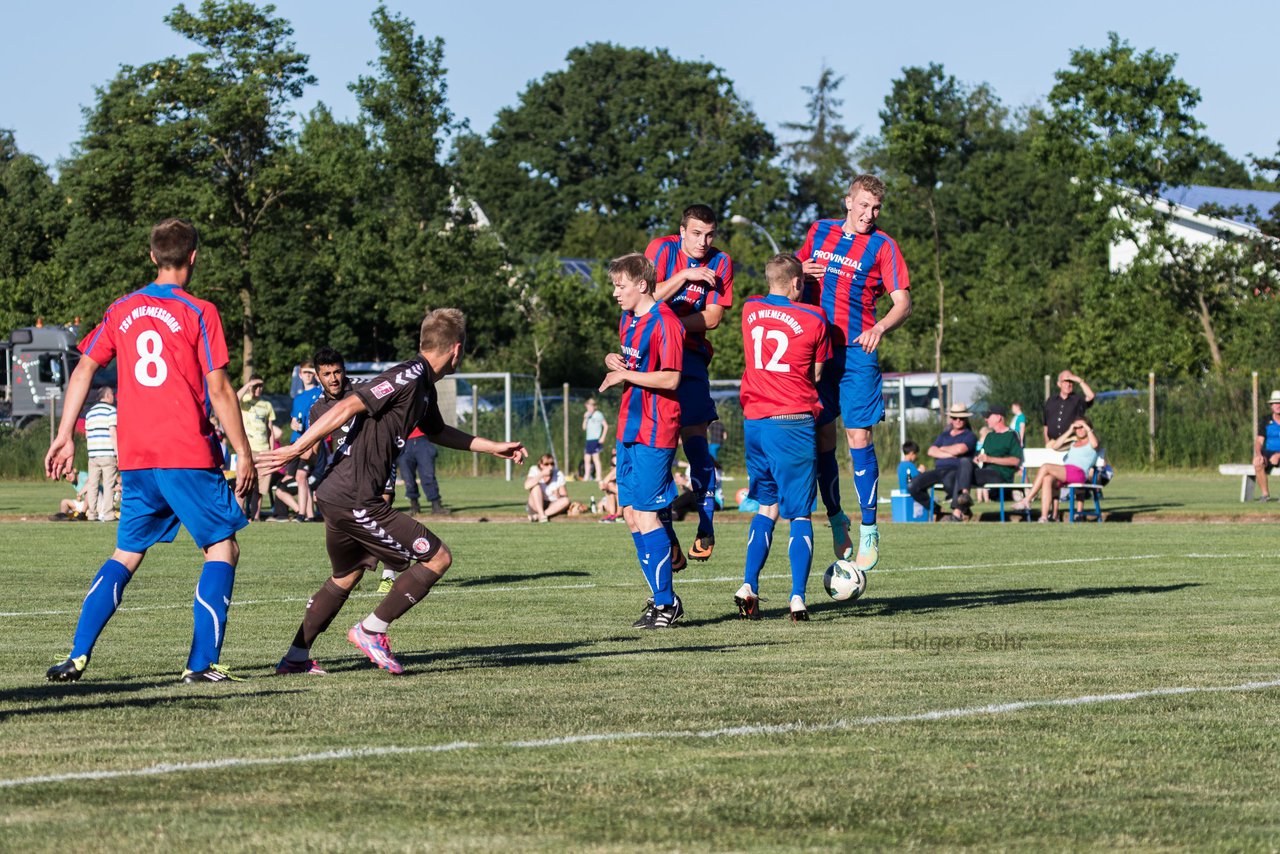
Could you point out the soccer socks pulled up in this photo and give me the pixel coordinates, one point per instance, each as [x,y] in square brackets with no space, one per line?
[829,481]
[702,474]
[411,587]
[321,609]
[866,477]
[800,553]
[656,563]
[759,539]
[99,604]
[209,610]
[664,516]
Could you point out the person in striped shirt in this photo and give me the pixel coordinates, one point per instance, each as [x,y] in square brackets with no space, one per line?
[104,469]
[849,264]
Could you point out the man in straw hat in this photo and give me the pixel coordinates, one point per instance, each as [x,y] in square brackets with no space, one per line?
[954,444]
[1266,447]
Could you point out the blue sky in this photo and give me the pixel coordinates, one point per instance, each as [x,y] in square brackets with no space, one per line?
[53,55]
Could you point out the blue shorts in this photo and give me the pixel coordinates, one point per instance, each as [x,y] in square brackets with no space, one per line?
[781,463]
[156,501]
[593,446]
[852,388]
[694,393]
[644,476]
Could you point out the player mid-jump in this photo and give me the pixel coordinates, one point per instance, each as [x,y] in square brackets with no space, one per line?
[848,265]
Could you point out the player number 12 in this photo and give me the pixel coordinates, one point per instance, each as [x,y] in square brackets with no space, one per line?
[775,361]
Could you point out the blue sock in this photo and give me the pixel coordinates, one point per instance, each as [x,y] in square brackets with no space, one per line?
[643,554]
[759,539]
[658,566]
[829,481]
[702,472]
[100,603]
[213,596]
[866,477]
[800,552]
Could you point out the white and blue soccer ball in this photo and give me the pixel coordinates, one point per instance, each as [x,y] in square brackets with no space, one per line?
[843,581]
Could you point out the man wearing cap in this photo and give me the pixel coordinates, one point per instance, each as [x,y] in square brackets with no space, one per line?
[953,445]
[997,462]
[1066,407]
[1266,447]
[259,418]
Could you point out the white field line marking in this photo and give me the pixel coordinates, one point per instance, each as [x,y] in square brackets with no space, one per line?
[449,590]
[604,737]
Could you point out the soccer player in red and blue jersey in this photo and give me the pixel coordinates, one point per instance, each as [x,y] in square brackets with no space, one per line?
[172,366]
[696,280]
[785,344]
[648,368]
[849,264]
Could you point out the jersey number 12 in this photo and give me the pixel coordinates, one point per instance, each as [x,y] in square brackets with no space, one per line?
[758,335]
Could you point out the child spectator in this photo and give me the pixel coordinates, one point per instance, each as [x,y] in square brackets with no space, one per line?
[908,469]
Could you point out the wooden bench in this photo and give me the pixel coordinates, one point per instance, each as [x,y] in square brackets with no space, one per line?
[1248,478]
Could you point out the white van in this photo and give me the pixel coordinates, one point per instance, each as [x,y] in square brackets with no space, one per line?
[919,391]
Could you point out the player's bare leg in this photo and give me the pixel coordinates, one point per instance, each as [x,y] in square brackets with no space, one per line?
[829,489]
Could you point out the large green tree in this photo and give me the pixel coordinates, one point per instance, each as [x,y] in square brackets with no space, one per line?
[31,225]
[600,154]
[821,159]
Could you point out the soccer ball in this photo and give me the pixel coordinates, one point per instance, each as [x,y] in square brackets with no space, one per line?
[843,581]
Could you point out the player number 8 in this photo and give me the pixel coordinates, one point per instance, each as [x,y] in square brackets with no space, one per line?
[150,369]
[775,362]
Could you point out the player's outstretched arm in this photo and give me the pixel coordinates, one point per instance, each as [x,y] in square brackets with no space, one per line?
[663,380]
[226,405]
[62,450]
[337,415]
[452,437]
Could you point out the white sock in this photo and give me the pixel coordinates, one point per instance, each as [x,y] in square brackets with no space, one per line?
[387,573]
[374,625]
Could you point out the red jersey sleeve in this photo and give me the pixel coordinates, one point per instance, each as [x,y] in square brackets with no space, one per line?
[671,352]
[215,356]
[723,293]
[893,268]
[100,343]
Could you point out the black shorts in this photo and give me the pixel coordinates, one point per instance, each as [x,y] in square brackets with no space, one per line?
[359,537]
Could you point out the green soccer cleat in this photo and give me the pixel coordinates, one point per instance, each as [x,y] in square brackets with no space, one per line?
[384,586]
[212,673]
[868,548]
[69,670]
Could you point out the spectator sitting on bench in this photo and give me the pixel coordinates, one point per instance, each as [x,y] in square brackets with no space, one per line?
[1266,447]
[1081,444]
[954,444]
[998,460]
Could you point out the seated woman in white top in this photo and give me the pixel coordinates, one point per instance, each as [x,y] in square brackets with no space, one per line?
[547,494]
[1081,445]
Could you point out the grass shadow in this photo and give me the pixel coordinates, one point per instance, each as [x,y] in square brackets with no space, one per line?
[108,691]
[512,578]
[966,600]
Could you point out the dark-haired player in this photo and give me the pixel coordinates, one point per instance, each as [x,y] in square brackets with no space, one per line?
[171,360]
[648,368]
[696,280]
[784,344]
[360,527]
[850,264]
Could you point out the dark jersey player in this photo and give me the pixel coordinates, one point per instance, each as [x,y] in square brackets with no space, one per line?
[360,527]
[848,265]
[696,280]
[784,345]
[171,360]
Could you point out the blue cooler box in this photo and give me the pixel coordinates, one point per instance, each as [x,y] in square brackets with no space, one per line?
[905,508]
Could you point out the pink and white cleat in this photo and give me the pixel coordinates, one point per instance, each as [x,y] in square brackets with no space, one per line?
[376,647]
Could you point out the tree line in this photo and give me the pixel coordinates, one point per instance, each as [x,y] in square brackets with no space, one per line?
[321,231]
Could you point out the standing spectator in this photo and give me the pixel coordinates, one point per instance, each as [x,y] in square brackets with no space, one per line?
[1018,424]
[716,434]
[1266,447]
[100,430]
[299,420]
[954,444]
[418,462]
[1066,407]
[259,419]
[595,425]
[547,494]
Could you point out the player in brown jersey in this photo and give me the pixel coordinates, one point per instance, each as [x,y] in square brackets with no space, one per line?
[360,527]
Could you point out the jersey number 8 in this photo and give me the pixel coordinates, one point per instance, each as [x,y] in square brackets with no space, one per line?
[150,370]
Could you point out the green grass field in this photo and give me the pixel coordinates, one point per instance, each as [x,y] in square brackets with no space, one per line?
[533,718]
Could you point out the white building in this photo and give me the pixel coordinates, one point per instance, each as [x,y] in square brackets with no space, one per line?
[1182,205]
